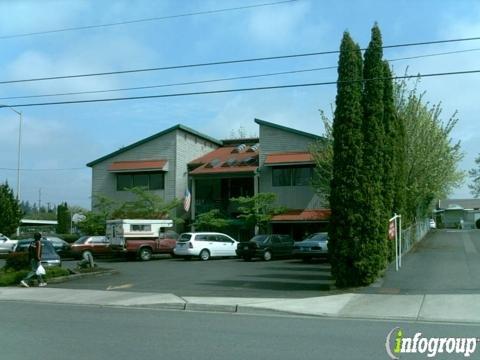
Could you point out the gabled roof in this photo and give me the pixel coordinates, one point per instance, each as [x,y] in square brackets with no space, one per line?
[161,133]
[284,128]
[226,160]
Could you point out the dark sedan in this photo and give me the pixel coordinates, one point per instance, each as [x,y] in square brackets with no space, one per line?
[49,255]
[313,246]
[61,246]
[266,247]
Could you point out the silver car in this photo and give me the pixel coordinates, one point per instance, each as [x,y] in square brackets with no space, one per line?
[313,246]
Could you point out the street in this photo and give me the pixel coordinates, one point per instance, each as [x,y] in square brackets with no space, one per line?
[42,331]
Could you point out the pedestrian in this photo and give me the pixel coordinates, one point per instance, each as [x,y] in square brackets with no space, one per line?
[34,257]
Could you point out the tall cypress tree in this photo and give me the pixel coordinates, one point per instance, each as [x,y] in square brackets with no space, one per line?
[63,219]
[390,150]
[372,250]
[346,219]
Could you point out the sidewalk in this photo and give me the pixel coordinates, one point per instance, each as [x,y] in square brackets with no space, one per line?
[436,308]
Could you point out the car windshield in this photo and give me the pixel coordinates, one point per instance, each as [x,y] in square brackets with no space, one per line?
[185,237]
[260,239]
[81,240]
[317,237]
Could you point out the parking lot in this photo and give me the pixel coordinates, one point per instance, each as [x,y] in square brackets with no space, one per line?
[218,277]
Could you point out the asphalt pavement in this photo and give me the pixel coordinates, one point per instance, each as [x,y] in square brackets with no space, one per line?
[31,331]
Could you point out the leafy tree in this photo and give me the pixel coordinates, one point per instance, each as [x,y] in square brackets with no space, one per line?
[95,220]
[322,153]
[431,157]
[345,195]
[212,220]
[63,219]
[146,205]
[372,249]
[475,175]
[257,210]
[10,213]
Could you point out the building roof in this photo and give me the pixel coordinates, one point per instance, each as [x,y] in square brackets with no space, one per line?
[157,135]
[138,165]
[284,128]
[462,203]
[226,160]
[307,215]
[289,158]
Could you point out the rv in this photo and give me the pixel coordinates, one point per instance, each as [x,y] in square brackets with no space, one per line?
[140,238]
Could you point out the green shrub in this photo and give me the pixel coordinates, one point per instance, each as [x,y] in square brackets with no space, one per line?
[17,261]
[11,277]
[56,272]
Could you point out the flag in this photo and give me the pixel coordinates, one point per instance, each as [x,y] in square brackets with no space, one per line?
[187,200]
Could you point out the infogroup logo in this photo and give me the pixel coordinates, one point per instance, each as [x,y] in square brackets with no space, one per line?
[397,343]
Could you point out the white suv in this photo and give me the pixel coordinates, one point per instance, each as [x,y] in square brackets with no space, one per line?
[6,245]
[205,245]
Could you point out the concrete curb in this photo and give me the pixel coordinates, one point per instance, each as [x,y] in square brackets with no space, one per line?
[61,279]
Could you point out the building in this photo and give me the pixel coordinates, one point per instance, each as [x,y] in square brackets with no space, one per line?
[458,213]
[278,161]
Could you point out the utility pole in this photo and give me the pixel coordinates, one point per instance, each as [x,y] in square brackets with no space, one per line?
[39,199]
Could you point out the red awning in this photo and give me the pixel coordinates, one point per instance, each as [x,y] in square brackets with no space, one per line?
[138,165]
[310,215]
[288,158]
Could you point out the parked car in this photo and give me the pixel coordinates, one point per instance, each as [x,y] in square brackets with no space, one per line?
[266,247]
[49,255]
[205,245]
[94,245]
[433,224]
[313,246]
[6,244]
[61,246]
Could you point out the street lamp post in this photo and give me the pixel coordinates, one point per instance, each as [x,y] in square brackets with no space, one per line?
[19,113]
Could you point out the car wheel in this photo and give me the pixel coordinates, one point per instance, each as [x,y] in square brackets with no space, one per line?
[267,256]
[204,255]
[145,254]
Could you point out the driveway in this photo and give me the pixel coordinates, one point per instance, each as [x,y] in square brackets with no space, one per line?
[445,262]
[217,277]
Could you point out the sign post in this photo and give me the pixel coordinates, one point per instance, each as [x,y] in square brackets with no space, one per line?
[395,233]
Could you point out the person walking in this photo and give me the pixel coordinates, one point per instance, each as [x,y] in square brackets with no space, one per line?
[34,256]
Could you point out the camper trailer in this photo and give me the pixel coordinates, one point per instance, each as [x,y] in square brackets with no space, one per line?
[140,238]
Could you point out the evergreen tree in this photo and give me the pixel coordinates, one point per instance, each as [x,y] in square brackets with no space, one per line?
[346,217]
[10,213]
[63,219]
[372,252]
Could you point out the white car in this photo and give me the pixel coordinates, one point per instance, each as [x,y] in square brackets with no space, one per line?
[205,245]
[6,244]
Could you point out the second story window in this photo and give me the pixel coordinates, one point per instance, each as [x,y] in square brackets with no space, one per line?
[149,181]
[292,176]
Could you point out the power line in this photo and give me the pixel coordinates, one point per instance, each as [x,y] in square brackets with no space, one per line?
[223,79]
[237,90]
[135,21]
[225,62]
[46,169]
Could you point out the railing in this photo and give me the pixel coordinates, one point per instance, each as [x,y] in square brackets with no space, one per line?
[413,234]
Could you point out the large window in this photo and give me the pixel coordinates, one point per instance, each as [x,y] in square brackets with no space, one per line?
[292,176]
[149,181]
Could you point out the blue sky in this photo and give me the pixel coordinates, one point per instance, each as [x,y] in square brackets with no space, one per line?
[65,137]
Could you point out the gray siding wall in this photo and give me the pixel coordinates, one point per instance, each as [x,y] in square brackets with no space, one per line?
[178,147]
[277,140]
[189,147]
[104,182]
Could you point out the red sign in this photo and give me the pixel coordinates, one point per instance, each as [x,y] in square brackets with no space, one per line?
[392,229]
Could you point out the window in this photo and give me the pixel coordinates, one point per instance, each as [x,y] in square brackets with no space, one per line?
[201,237]
[140,227]
[149,181]
[292,176]
[224,239]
